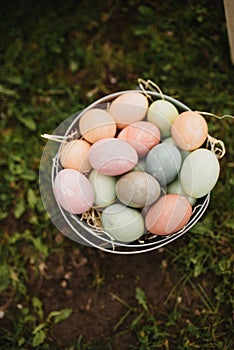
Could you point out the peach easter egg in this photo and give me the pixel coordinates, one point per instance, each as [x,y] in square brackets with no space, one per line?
[128,108]
[96,124]
[74,155]
[189,130]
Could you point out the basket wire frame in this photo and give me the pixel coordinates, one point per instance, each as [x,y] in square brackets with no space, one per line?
[71,225]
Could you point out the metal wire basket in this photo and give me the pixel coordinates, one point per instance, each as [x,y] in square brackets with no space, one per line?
[72,225]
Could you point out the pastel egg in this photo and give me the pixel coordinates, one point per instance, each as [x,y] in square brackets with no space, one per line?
[199,172]
[112,156]
[123,223]
[162,113]
[73,191]
[137,189]
[176,187]
[96,124]
[163,162]
[140,166]
[168,215]
[171,141]
[128,108]
[141,135]
[74,155]
[189,130]
[104,188]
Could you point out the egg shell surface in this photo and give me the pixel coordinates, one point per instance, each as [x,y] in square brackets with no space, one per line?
[168,215]
[104,188]
[123,223]
[171,141]
[141,135]
[137,189]
[74,155]
[199,173]
[162,113]
[128,108]
[112,156]
[73,191]
[189,130]
[176,187]
[163,162]
[96,124]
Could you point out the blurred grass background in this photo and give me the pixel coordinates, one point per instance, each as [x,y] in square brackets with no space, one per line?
[56,58]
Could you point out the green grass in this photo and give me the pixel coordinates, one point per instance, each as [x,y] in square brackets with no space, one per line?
[57,57]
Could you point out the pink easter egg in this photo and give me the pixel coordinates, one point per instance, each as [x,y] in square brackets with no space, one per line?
[73,191]
[141,135]
[168,215]
[112,156]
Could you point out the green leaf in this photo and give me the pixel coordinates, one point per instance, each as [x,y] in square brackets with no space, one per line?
[29,175]
[59,316]
[4,277]
[28,122]
[198,269]
[32,198]
[6,91]
[40,246]
[37,304]
[39,338]
[19,209]
[141,298]
[39,328]
[3,216]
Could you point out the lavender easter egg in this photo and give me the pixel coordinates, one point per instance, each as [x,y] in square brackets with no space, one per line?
[112,156]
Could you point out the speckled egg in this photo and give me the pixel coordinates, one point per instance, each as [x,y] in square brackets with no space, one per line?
[74,155]
[162,113]
[168,215]
[137,189]
[128,108]
[96,124]
[112,156]
[163,162]
[141,135]
[73,191]
[189,130]
[199,173]
[124,224]
[104,188]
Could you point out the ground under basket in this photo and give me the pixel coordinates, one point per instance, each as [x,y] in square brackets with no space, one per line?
[79,230]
